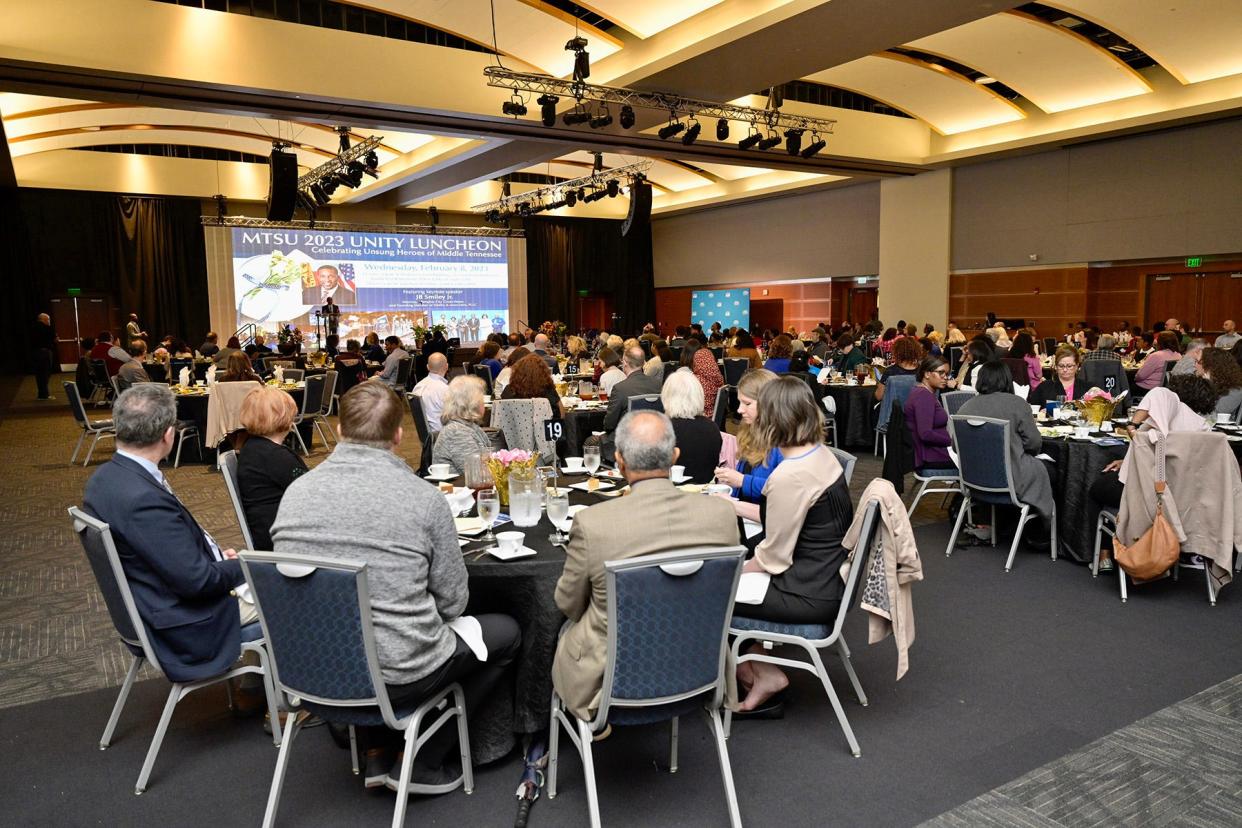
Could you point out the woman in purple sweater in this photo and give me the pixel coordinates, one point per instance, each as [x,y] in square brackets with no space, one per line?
[926,418]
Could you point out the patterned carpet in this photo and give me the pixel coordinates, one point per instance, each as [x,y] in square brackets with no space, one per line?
[1180,766]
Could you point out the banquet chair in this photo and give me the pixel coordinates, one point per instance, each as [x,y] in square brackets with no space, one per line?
[812,638]
[316,617]
[484,373]
[294,374]
[954,400]
[96,428]
[224,409]
[720,412]
[846,460]
[521,422]
[228,468]
[103,382]
[668,619]
[1050,346]
[895,392]
[187,428]
[320,417]
[644,402]
[403,372]
[953,354]
[426,437]
[734,368]
[174,370]
[935,481]
[1105,374]
[96,537]
[982,446]
[670,367]
[830,418]
[312,402]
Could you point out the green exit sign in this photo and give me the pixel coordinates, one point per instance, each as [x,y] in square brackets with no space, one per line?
[75,291]
[1194,261]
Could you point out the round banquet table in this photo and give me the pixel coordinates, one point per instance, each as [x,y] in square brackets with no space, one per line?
[194,407]
[158,372]
[524,589]
[578,426]
[855,415]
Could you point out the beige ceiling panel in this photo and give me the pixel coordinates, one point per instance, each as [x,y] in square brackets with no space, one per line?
[674,177]
[947,102]
[729,172]
[648,17]
[1194,41]
[531,31]
[145,174]
[77,138]
[1051,66]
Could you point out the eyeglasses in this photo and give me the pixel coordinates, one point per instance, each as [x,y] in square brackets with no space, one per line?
[942,373]
[1066,366]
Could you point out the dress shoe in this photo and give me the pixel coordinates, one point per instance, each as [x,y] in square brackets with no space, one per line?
[431,780]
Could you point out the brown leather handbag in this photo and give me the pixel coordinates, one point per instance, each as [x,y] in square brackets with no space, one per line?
[1156,551]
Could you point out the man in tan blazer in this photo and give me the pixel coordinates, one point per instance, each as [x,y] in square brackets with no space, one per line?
[654,517]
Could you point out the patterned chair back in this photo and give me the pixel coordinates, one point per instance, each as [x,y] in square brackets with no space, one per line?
[316,617]
[312,396]
[895,392]
[294,374]
[228,469]
[420,419]
[484,373]
[668,615]
[99,372]
[866,556]
[521,422]
[96,537]
[982,445]
[75,403]
[1106,374]
[720,412]
[403,371]
[953,400]
[329,388]
[644,402]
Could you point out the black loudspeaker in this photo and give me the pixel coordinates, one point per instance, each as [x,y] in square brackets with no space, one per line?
[640,206]
[282,188]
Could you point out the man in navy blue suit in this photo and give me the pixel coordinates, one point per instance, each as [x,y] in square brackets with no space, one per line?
[182,582]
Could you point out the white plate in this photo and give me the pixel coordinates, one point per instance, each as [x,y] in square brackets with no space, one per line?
[468,525]
[612,474]
[520,552]
[604,486]
[612,493]
[441,478]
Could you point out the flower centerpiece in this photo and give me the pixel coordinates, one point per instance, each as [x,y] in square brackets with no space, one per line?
[1097,405]
[503,463]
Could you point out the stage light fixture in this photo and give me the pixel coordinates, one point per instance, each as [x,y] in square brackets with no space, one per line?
[571,198]
[814,147]
[353,175]
[670,129]
[343,145]
[329,185]
[320,194]
[692,134]
[769,142]
[793,141]
[614,187]
[547,109]
[582,59]
[627,117]
[306,200]
[601,120]
[749,141]
[524,208]
[514,106]
[582,193]
[722,129]
[576,116]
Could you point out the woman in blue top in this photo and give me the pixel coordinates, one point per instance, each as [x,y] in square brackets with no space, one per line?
[488,352]
[753,464]
[779,353]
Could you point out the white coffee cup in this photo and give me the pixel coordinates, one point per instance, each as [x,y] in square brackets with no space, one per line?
[573,463]
[677,472]
[440,469]
[718,489]
[1082,431]
[509,541]
[1224,418]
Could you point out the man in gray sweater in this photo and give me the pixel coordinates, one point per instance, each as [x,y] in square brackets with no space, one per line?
[404,532]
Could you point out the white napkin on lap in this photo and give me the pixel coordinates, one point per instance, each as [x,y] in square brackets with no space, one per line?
[470,631]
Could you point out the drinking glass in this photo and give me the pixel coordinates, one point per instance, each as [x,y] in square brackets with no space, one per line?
[478,475]
[489,510]
[558,511]
[590,458]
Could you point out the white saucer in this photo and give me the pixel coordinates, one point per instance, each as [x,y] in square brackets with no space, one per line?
[442,478]
[520,552]
[579,470]
[604,486]
[685,478]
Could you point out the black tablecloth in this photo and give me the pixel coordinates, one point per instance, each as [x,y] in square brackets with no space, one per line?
[1078,464]
[524,589]
[855,416]
[578,426]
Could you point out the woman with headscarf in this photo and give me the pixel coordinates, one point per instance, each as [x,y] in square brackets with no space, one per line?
[1182,406]
[708,374]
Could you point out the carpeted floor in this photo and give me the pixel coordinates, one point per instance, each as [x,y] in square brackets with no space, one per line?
[1010,672]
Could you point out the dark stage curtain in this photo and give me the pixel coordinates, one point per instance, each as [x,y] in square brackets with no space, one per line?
[566,255]
[146,253]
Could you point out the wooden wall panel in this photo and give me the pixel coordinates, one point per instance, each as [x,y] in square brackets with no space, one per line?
[805,304]
[1051,299]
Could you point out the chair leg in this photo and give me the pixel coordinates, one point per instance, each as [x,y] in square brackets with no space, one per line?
[1095,557]
[918,496]
[554,745]
[353,750]
[849,670]
[993,527]
[273,704]
[282,765]
[180,443]
[174,696]
[120,702]
[728,714]
[1054,532]
[726,770]
[91,451]
[1121,576]
[407,767]
[463,739]
[73,458]
[1211,587]
[298,434]
[672,745]
[836,702]
[1023,517]
[588,772]
[957,525]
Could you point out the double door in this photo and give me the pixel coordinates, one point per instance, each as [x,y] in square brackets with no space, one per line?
[75,318]
[1200,301]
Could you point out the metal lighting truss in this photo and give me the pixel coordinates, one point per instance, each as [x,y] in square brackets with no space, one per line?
[345,227]
[543,84]
[340,163]
[555,192]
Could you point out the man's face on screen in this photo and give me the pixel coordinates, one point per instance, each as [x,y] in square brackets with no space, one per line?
[327,277]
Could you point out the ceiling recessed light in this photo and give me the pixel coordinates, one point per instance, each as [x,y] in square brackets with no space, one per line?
[985,79]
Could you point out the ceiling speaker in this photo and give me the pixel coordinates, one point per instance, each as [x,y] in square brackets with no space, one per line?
[640,206]
[282,188]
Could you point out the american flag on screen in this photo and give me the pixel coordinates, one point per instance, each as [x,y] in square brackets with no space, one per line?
[347,273]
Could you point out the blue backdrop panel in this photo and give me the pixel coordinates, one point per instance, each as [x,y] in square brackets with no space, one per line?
[728,307]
